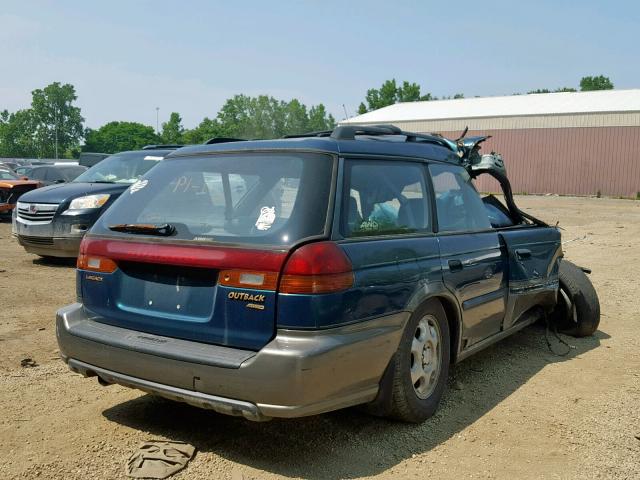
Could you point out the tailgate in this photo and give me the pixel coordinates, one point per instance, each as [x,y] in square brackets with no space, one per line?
[193,297]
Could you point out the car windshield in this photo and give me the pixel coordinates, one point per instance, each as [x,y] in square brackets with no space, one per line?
[273,199]
[7,175]
[125,167]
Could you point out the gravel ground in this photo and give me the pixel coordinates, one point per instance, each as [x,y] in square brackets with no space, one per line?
[514,410]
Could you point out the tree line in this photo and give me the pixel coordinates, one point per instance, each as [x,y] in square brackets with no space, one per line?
[53,126]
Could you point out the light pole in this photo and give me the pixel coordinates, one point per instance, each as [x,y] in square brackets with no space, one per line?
[157,122]
[55,121]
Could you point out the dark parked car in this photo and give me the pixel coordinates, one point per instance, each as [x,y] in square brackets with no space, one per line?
[24,170]
[89,159]
[52,174]
[356,266]
[52,221]
[9,165]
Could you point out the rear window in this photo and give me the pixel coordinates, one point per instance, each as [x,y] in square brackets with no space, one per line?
[274,199]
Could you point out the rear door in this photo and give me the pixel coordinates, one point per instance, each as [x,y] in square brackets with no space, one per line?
[214,280]
[534,254]
[472,259]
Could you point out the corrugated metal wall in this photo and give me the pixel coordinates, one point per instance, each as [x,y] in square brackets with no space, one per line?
[572,161]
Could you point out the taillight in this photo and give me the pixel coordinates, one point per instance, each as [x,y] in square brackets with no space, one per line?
[92,262]
[317,268]
[96,264]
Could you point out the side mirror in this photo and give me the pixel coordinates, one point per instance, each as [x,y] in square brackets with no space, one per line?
[24,177]
[59,181]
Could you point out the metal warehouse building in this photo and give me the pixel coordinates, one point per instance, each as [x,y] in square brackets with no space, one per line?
[578,143]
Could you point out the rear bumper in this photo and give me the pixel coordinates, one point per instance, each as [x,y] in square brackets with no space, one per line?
[298,373]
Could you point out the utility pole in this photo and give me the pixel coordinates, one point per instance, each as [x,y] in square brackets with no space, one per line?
[55,119]
[157,122]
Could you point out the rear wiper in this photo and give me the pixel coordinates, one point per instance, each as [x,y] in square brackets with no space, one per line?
[163,229]
[102,181]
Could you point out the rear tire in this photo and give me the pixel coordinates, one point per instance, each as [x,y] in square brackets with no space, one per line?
[421,366]
[578,310]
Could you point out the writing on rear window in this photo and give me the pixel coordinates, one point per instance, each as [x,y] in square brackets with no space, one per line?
[268,198]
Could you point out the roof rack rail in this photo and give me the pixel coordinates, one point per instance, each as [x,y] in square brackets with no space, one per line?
[319,133]
[349,132]
[215,140]
[156,147]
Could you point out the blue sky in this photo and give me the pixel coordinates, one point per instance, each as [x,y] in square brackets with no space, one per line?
[127,57]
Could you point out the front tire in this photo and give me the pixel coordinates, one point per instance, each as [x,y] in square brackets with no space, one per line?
[421,366]
[578,310]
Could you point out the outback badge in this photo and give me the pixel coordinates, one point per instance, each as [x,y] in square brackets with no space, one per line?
[256,301]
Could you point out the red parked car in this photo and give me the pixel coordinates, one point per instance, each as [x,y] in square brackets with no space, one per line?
[11,187]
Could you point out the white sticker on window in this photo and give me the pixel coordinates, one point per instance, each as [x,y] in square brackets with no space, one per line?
[266,218]
[153,157]
[139,185]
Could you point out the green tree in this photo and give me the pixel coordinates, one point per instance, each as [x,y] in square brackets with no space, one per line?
[172,131]
[546,90]
[59,122]
[118,137]
[595,83]
[381,97]
[409,92]
[18,134]
[296,118]
[266,117]
[207,129]
[390,93]
[319,120]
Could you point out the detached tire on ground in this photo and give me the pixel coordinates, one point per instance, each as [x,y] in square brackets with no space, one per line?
[418,375]
[578,309]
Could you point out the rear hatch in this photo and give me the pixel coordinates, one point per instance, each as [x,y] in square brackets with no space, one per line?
[194,249]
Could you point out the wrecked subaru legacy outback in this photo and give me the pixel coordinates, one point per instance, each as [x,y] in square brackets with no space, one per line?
[352,267]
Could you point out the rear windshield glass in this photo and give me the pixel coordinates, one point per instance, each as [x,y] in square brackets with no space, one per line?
[121,168]
[274,199]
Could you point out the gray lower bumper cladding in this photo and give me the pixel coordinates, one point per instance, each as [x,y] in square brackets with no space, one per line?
[298,373]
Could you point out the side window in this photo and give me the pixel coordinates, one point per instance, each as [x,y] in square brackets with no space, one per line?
[458,203]
[39,173]
[53,175]
[384,199]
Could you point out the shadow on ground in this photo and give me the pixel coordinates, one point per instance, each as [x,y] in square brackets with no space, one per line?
[349,443]
[55,262]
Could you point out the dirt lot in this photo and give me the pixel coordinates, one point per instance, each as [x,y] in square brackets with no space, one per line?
[513,411]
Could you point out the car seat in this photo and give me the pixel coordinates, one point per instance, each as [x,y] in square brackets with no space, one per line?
[411,214]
